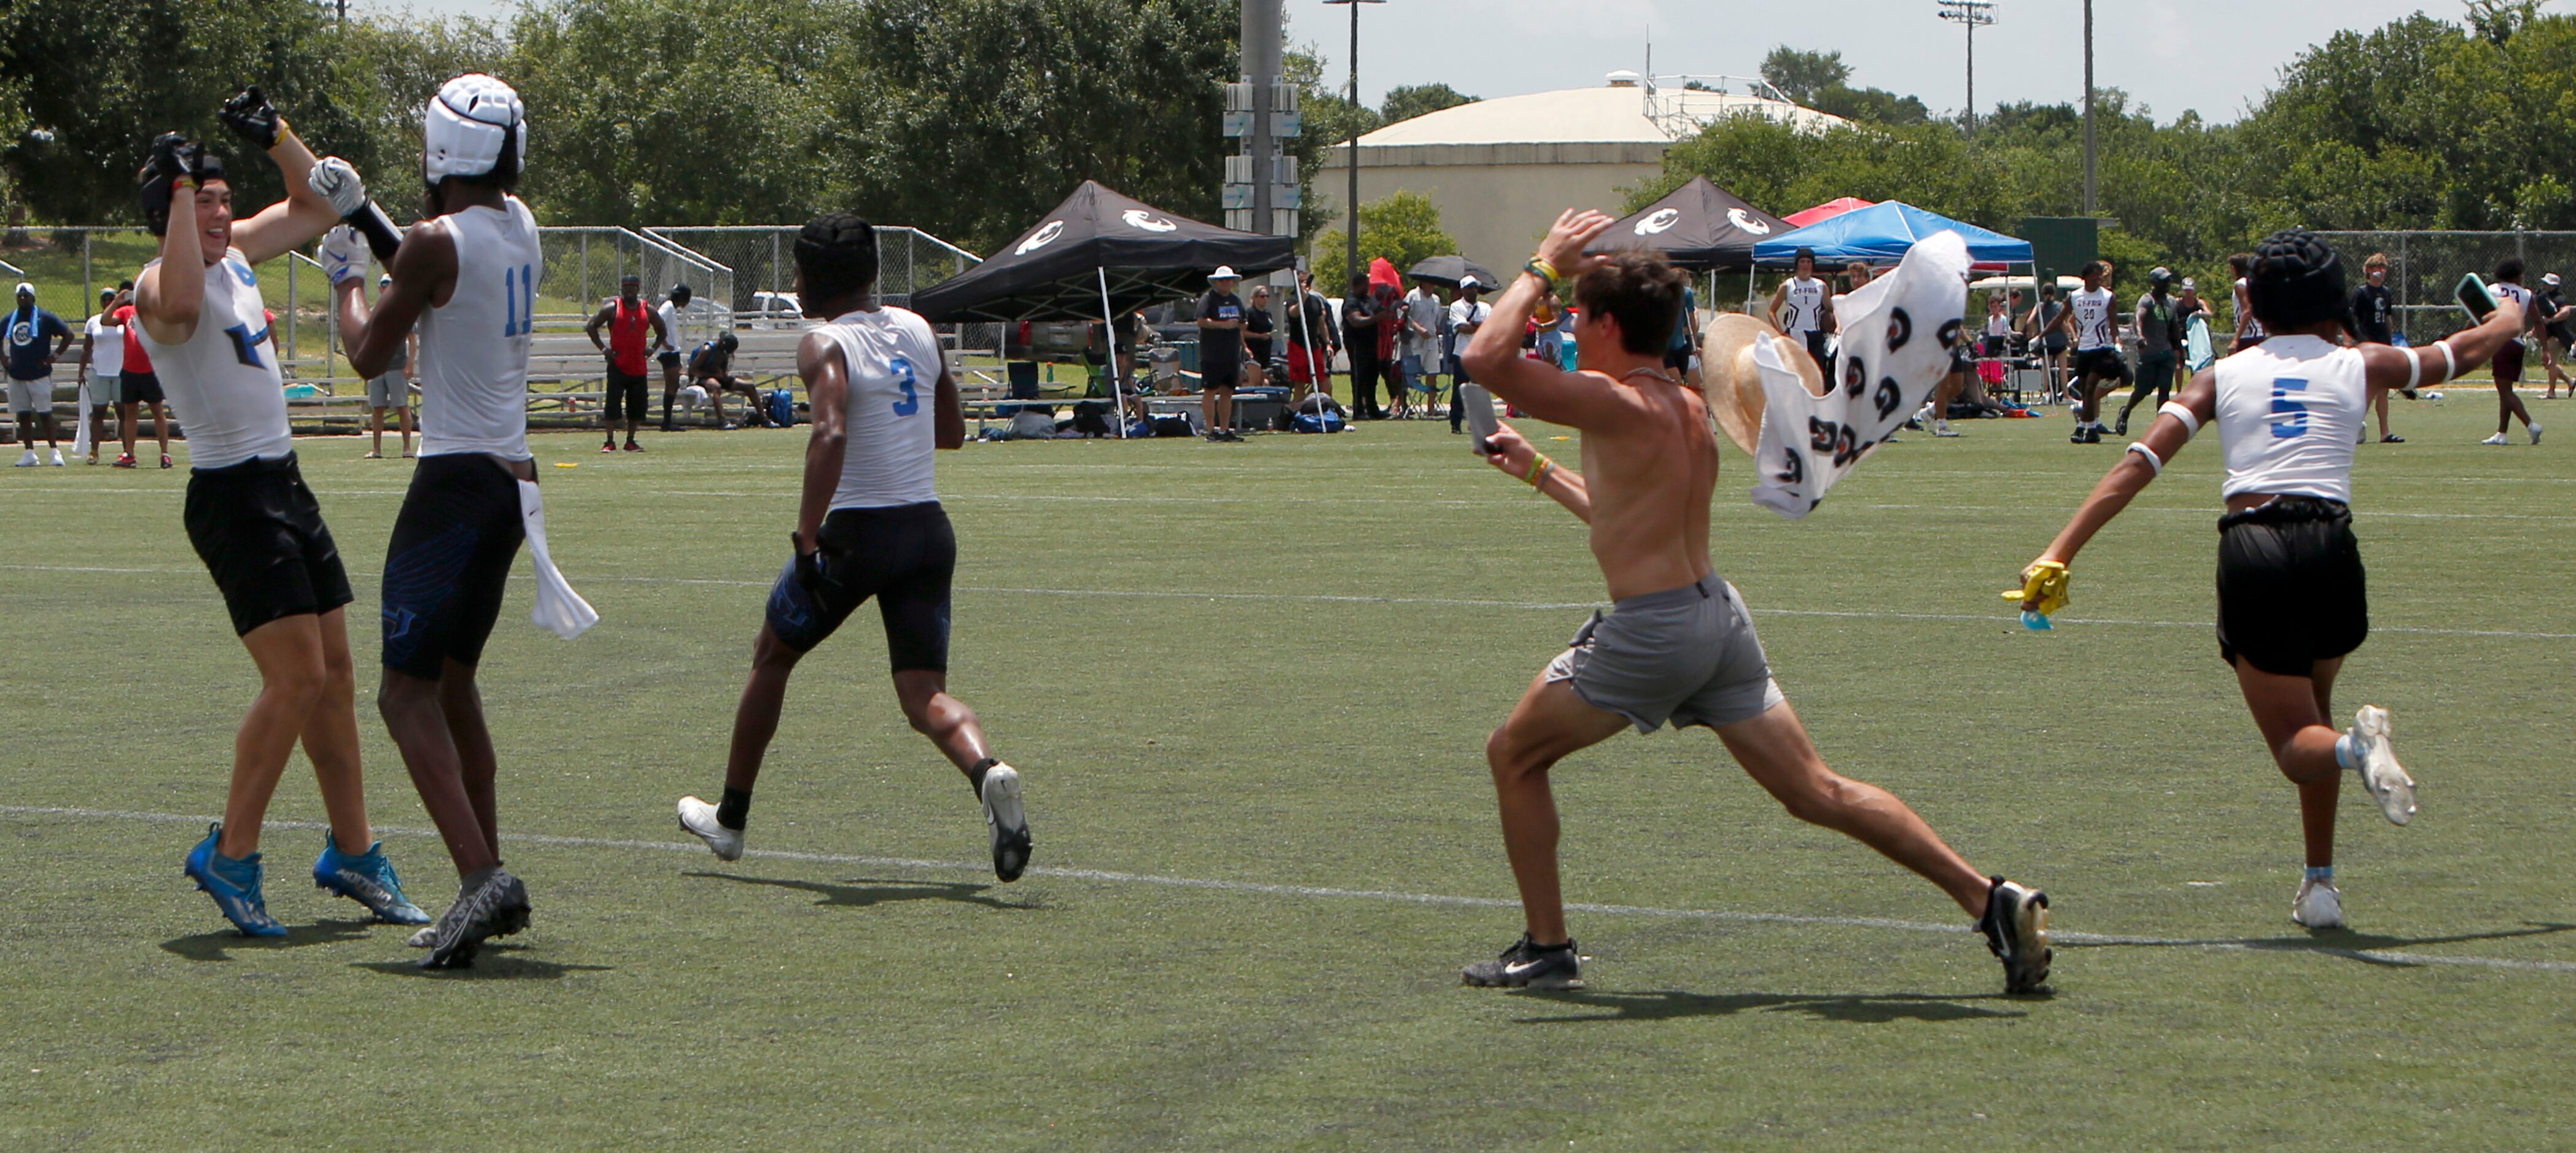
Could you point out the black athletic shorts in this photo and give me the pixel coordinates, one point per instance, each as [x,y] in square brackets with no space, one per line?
[260,532]
[1231,376]
[2508,363]
[139,388]
[1677,357]
[2290,585]
[449,560]
[625,393]
[1816,349]
[667,359]
[903,556]
[2101,364]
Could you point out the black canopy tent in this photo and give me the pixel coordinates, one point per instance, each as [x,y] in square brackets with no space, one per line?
[1099,254]
[1699,226]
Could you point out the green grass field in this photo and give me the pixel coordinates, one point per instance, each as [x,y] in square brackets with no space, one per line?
[1249,686]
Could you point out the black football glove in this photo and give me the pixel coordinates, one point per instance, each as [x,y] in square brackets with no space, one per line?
[810,566]
[250,116]
[173,159]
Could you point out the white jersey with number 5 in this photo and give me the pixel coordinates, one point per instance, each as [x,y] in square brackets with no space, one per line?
[2289,411]
[892,358]
[223,381]
[474,348]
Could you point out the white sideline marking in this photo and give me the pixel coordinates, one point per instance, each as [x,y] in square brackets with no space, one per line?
[1442,602]
[1113,877]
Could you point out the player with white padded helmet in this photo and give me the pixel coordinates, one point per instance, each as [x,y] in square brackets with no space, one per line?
[466,277]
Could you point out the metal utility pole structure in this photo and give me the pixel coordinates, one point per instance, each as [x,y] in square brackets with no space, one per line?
[1974,14]
[1351,207]
[2088,109]
[1261,189]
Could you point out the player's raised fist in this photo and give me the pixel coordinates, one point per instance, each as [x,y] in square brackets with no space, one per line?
[173,158]
[250,116]
[337,181]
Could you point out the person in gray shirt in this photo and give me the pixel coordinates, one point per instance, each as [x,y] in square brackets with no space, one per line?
[2159,327]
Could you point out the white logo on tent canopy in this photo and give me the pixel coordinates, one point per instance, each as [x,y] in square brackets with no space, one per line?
[1139,218]
[1045,235]
[1658,222]
[1744,220]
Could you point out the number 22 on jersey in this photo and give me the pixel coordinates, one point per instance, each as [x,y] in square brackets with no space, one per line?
[519,285]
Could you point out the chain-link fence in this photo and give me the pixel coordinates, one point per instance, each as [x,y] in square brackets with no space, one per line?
[763,260]
[2424,269]
[69,266]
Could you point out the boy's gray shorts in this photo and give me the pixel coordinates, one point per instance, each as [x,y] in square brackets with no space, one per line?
[1685,655]
[388,391]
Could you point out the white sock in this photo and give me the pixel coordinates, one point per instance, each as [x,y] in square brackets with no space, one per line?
[2348,752]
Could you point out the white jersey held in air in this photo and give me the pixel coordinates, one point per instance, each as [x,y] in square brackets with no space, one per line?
[474,348]
[892,359]
[1806,305]
[2092,318]
[222,382]
[2289,411]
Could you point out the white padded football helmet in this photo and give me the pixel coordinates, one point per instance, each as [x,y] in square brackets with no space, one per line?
[465,125]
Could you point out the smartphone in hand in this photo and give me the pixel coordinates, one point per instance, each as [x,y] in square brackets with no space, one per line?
[1480,415]
[2475,298]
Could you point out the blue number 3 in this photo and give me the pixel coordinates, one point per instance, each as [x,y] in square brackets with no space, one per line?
[911,402]
[519,286]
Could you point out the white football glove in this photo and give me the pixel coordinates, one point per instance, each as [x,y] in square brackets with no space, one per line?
[343,254]
[333,179]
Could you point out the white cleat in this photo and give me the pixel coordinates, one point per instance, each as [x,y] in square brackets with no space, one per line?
[1006,821]
[426,937]
[58,453]
[2535,436]
[28,460]
[2318,906]
[2496,439]
[1942,428]
[2380,773]
[699,818]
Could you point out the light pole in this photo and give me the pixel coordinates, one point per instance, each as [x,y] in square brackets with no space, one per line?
[1351,158]
[1974,14]
[2088,107]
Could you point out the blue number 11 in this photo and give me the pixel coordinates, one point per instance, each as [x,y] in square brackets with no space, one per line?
[520,300]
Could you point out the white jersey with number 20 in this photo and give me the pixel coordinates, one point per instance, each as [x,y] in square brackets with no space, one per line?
[474,348]
[892,359]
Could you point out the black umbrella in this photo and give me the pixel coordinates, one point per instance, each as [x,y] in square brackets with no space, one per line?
[1099,244]
[1448,271]
[1699,225]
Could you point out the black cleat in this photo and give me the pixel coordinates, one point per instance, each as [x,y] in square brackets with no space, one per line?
[496,908]
[1529,966]
[2016,929]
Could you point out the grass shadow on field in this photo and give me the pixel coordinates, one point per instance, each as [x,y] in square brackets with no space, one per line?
[489,966]
[2343,943]
[1859,1008]
[220,944]
[862,892]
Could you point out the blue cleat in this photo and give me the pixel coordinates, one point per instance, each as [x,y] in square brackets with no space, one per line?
[367,879]
[234,884]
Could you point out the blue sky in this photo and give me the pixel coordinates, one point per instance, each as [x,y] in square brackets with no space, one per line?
[2171,54]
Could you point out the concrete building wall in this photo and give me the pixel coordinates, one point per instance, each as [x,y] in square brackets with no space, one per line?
[1495,199]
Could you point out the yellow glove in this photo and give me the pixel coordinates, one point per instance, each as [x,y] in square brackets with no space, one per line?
[2044,583]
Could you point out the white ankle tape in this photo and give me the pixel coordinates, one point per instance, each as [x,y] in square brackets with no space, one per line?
[2154,462]
[2175,409]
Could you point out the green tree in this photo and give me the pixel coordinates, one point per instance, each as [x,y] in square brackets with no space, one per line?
[1407,101]
[1403,227]
[1800,74]
[1872,105]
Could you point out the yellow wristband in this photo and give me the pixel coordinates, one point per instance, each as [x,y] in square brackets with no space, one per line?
[1538,469]
[1546,268]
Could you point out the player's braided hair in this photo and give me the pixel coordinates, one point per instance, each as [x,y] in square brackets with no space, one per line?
[2294,281]
[837,255]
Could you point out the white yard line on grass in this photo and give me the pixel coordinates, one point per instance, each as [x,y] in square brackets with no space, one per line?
[1440,602]
[1112,877]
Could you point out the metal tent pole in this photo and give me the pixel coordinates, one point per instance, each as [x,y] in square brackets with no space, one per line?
[1109,331]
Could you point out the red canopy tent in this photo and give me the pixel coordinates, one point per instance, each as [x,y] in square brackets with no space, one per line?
[1827,210]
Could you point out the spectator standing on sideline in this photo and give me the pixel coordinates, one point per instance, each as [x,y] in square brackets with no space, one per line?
[1422,308]
[2159,329]
[1681,352]
[136,386]
[2050,339]
[36,339]
[1260,332]
[391,389]
[2557,334]
[627,320]
[667,350]
[1220,316]
[102,357]
[1311,341]
[1390,341]
[1360,344]
[2372,307]
[1466,315]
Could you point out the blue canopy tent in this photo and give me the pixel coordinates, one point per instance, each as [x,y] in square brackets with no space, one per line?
[1881,234]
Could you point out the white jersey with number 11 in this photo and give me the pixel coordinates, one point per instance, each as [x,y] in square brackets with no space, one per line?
[474,348]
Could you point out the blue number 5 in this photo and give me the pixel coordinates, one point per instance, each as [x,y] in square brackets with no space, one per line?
[2290,417]
[911,402]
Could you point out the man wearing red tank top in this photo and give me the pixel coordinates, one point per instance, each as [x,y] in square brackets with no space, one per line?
[626,319]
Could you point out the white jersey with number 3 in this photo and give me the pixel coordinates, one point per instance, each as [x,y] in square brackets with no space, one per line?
[1806,304]
[222,381]
[474,348]
[2289,411]
[892,359]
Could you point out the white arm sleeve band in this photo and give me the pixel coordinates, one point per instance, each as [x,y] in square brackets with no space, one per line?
[2155,463]
[2414,369]
[2450,366]
[2190,423]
